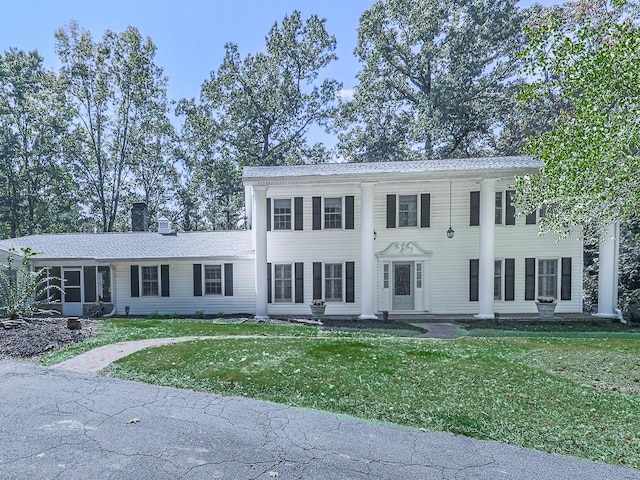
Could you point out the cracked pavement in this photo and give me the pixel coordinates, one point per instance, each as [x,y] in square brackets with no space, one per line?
[64,425]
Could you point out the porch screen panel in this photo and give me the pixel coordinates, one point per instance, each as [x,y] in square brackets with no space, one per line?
[90,284]
[135,281]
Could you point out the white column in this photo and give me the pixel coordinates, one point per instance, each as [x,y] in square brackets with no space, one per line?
[367,267]
[260,227]
[607,272]
[487,248]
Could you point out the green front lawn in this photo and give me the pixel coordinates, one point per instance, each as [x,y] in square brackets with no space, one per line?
[576,396]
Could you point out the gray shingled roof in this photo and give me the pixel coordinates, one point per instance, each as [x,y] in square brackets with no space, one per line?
[418,166]
[136,245]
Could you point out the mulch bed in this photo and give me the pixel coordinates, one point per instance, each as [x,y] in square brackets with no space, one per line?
[37,336]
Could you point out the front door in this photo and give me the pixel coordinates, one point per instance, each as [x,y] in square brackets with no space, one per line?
[402,286]
[72,287]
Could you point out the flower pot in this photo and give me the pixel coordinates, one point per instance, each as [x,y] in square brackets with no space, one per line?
[546,310]
[317,311]
[74,323]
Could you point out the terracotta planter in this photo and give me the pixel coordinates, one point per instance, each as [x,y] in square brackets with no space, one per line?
[546,310]
[74,323]
[317,311]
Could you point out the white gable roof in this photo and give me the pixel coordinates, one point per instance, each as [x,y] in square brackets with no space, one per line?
[356,172]
[136,245]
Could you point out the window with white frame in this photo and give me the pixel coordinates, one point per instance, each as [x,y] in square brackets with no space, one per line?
[213,279]
[282,283]
[548,278]
[497,280]
[150,286]
[408,211]
[333,282]
[282,214]
[418,275]
[385,275]
[333,213]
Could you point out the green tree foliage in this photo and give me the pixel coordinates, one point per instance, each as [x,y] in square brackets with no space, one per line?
[22,291]
[36,189]
[112,87]
[257,110]
[437,79]
[588,56]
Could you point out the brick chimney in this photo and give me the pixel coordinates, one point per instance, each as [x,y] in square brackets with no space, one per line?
[139,217]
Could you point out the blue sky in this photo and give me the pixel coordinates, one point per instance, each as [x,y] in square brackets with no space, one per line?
[189,34]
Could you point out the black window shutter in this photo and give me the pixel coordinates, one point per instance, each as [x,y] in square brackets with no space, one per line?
[317,280]
[565,286]
[90,284]
[529,278]
[348,212]
[316,214]
[164,280]
[509,279]
[228,279]
[299,286]
[298,204]
[197,280]
[474,275]
[425,210]
[510,210]
[268,214]
[474,213]
[391,211]
[269,298]
[56,273]
[531,218]
[350,291]
[135,281]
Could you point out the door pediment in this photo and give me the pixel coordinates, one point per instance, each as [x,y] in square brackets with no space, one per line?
[406,250]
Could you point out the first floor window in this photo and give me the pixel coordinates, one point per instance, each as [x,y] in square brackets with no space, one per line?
[333,213]
[150,281]
[333,282]
[282,214]
[497,280]
[548,278]
[282,283]
[213,280]
[408,211]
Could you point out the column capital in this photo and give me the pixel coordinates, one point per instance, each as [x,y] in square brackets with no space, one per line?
[260,188]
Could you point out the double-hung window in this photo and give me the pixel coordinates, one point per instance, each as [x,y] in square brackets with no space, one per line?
[150,285]
[213,279]
[333,282]
[333,213]
[282,283]
[407,211]
[548,278]
[282,214]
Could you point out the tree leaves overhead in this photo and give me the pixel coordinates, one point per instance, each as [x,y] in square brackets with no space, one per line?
[591,155]
[436,81]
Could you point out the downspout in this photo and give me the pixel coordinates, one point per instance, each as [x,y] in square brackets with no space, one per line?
[113,292]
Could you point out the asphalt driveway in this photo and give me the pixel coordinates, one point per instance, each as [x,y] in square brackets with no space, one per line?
[64,425]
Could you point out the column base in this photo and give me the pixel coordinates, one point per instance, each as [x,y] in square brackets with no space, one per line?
[484,316]
[367,317]
[606,315]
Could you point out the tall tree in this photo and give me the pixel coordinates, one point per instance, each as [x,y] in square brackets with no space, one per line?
[257,110]
[37,193]
[591,160]
[437,79]
[111,84]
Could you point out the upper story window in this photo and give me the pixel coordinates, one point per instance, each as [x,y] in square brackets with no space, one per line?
[282,214]
[333,213]
[407,211]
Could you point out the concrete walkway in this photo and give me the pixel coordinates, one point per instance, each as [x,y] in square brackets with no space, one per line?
[69,426]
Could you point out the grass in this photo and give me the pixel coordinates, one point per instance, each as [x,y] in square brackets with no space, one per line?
[576,396]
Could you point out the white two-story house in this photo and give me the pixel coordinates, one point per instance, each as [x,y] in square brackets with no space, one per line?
[436,237]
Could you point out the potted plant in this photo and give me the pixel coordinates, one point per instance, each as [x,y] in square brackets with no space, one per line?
[317,308]
[546,306]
